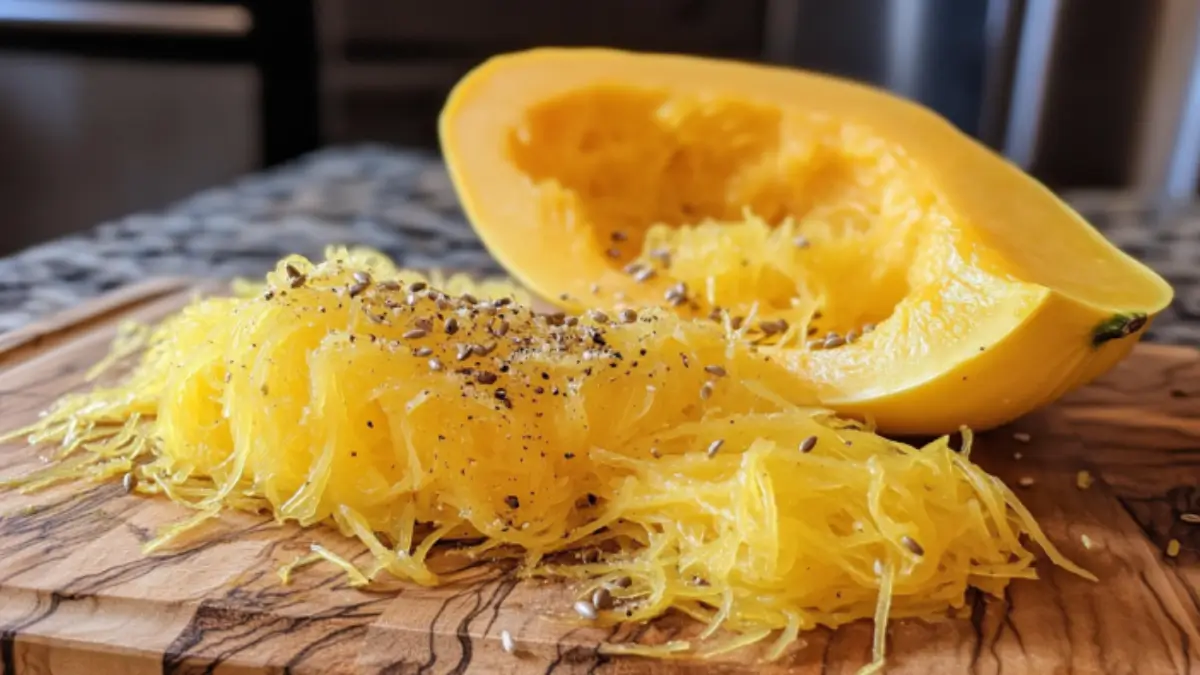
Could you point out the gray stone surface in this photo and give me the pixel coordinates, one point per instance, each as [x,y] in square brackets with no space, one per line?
[402,203]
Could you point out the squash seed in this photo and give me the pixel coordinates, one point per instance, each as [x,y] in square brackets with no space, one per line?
[808,444]
[714,447]
[586,610]
[129,482]
[507,643]
[912,545]
[715,370]
[627,316]
[1084,480]
[414,334]
[1173,548]
[602,598]
[706,391]
[834,340]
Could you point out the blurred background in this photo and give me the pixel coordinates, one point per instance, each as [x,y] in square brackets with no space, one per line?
[108,107]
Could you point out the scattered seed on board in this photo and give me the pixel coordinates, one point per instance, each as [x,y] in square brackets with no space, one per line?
[435,365]
[422,351]
[1084,480]
[1018,455]
[414,334]
[627,316]
[586,609]
[1086,541]
[1022,437]
[1193,518]
[1026,481]
[706,391]
[129,481]
[715,370]
[808,444]
[1173,548]
[602,598]
[714,447]
[507,643]
[912,545]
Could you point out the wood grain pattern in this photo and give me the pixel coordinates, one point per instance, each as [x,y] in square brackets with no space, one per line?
[77,596]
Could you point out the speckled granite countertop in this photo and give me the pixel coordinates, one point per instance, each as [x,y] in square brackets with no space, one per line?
[402,203]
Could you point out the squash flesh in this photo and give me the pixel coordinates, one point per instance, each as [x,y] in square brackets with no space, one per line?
[566,161]
[317,403]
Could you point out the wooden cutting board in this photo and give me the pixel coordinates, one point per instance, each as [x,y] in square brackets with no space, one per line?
[77,596]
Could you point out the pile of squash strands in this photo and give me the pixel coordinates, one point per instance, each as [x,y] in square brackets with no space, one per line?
[350,393]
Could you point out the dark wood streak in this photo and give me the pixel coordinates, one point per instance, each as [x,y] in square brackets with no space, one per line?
[9,633]
[427,666]
[1184,641]
[978,615]
[93,583]
[56,529]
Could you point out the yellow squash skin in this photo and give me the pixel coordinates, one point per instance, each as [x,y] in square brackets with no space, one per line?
[1005,288]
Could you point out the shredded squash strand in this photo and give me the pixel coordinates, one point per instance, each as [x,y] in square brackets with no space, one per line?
[350,393]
